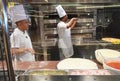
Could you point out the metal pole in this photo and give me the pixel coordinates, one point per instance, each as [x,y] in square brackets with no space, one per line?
[43,43]
[11,75]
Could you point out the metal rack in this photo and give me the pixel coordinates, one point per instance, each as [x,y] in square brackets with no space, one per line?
[85,30]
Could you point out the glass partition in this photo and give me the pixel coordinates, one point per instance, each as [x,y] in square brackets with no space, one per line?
[94,18]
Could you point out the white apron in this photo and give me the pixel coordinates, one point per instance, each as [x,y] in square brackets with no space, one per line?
[64,42]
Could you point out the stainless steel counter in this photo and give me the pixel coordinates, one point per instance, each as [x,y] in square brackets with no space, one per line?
[69,78]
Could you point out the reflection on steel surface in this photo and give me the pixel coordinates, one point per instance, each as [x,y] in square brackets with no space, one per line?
[68,78]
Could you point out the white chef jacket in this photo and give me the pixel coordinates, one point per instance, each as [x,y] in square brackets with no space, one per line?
[19,39]
[64,41]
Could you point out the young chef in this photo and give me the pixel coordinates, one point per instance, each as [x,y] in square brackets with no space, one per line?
[64,33]
[21,46]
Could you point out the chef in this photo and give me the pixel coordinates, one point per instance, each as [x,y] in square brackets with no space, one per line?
[64,33]
[21,46]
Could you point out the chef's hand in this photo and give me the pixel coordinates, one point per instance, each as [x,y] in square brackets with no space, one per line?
[31,51]
[75,19]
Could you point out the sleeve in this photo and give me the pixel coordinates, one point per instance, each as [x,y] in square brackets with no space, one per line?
[15,41]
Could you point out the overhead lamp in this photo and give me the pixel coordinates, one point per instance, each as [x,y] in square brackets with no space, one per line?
[46,0]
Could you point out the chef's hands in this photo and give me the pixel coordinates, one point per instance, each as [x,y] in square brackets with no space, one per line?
[31,50]
[22,50]
[75,19]
[72,23]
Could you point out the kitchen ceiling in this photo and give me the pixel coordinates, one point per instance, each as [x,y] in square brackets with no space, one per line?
[37,2]
[80,1]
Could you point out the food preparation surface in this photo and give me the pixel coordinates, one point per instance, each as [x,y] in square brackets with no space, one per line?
[32,65]
[38,65]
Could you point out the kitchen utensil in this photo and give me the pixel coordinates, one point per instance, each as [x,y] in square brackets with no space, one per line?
[112,64]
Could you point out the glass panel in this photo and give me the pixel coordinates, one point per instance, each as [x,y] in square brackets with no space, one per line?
[94,17]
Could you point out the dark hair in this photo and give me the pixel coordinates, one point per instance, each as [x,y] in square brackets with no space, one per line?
[62,17]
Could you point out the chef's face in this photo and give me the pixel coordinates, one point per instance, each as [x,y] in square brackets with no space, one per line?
[25,24]
[65,17]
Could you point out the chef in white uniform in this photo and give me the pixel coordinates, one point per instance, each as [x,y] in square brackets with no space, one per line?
[64,33]
[21,46]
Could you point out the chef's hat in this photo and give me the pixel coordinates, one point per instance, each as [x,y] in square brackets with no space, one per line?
[18,13]
[61,12]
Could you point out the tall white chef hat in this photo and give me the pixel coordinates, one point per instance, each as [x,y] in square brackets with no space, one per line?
[61,12]
[18,13]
